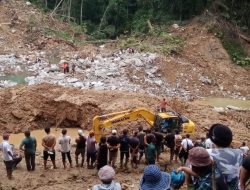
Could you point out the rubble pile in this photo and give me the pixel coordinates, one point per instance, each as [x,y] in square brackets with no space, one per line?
[123,71]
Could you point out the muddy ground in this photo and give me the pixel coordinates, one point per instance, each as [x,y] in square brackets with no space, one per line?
[35,107]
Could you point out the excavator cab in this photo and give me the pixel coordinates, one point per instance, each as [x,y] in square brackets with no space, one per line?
[165,124]
[171,121]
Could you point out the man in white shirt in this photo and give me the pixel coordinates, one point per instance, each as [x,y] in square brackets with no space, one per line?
[208,143]
[64,141]
[186,145]
[7,155]
[244,148]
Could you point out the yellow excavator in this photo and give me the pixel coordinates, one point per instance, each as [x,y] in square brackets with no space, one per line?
[163,121]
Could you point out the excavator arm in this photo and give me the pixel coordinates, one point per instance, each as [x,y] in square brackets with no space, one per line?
[100,123]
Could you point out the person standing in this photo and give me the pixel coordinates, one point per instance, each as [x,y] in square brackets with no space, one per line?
[80,147]
[163,105]
[28,145]
[91,150]
[208,143]
[170,142]
[158,143]
[73,68]
[245,173]
[177,142]
[64,67]
[134,149]
[186,145]
[124,148]
[244,148]
[150,152]
[102,153]
[64,141]
[113,146]
[227,159]
[141,135]
[49,143]
[7,155]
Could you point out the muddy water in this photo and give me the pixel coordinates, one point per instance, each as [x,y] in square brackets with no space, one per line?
[224,102]
[16,139]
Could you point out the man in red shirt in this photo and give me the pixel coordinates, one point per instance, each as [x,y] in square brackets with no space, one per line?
[163,105]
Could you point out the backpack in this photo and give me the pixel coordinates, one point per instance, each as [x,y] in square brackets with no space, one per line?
[218,179]
[177,179]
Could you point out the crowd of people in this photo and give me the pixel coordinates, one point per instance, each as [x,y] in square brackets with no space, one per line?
[208,163]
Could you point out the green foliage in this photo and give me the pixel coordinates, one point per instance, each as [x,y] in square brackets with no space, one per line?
[158,42]
[230,41]
[59,33]
[236,52]
[111,18]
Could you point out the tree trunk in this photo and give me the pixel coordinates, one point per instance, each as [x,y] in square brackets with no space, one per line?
[81,12]
[69,10]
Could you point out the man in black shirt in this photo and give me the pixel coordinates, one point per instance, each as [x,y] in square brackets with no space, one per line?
[113,146]
[124,148]
[141,134]
[158,143]
[134,147]
[170,143]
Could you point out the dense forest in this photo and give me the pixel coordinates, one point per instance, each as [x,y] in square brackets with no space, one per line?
[110,18]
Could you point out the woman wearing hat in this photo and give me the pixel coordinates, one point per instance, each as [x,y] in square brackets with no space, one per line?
[201,171]
[154,179]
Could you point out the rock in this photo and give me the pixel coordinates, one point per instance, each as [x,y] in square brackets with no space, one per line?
[102,46]
[125,186]
[62,61]
[219,109]
[138,63]
[236,108]
[54,68]
[78,84]
[18,114]
[205,80]
[221,88]
[13,31]
[158,82]
[72,80]
[175,26]
[28,3]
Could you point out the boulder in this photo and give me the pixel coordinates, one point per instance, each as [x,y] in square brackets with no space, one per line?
[205,80]
[18,114]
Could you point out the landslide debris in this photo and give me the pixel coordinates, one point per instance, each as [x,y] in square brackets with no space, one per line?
[38,106]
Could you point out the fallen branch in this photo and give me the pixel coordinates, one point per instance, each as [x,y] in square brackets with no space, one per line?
[244,38]
[150,25]
[55,9]
[100,41]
